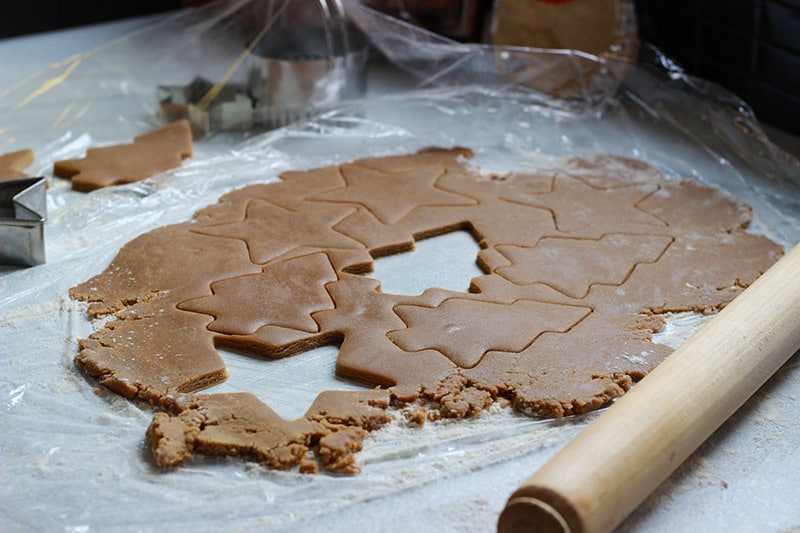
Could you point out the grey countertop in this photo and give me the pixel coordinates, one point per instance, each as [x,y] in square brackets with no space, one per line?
[746,477]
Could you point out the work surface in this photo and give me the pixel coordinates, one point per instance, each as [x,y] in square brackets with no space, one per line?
[76,460]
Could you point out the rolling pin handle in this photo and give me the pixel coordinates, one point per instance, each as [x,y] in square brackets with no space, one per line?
[525,514]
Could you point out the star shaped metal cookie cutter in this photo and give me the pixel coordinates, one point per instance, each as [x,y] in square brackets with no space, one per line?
[23,208]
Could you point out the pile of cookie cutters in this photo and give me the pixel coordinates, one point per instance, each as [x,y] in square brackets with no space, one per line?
[23,209]
[307,57]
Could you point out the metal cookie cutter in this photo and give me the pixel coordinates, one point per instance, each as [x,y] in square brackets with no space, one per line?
[306,58]
[311,58]
[23,208]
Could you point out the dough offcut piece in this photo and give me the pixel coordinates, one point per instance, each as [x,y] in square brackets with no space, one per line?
[13,164]
[149,154]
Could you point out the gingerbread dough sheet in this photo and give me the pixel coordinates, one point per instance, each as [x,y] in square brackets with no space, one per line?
[579,263]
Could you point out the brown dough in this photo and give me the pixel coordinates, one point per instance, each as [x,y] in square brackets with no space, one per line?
[579,261]
[239,424]
[149,154]
[13,164]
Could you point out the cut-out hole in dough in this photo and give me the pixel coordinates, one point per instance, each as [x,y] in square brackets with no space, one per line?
[679,327]
[289,385]
[446,262]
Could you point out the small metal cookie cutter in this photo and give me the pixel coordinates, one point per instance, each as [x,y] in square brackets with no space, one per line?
[307,58]
[23,208]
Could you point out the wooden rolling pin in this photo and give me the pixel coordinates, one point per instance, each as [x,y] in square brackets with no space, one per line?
[595,481]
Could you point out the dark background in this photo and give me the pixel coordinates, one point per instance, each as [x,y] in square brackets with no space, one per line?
[752,47]
[20,17]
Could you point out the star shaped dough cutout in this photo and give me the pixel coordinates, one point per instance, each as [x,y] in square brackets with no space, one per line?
[271,231]
[576,207]
[391,196]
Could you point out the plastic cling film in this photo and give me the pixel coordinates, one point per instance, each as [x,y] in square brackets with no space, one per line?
[81,450]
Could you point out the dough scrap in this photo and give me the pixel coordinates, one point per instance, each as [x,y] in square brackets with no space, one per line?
[150,153]
[239,424]
[578,263]
[13,164]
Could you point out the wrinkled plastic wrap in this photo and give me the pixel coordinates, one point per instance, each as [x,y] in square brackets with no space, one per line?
[74,455]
